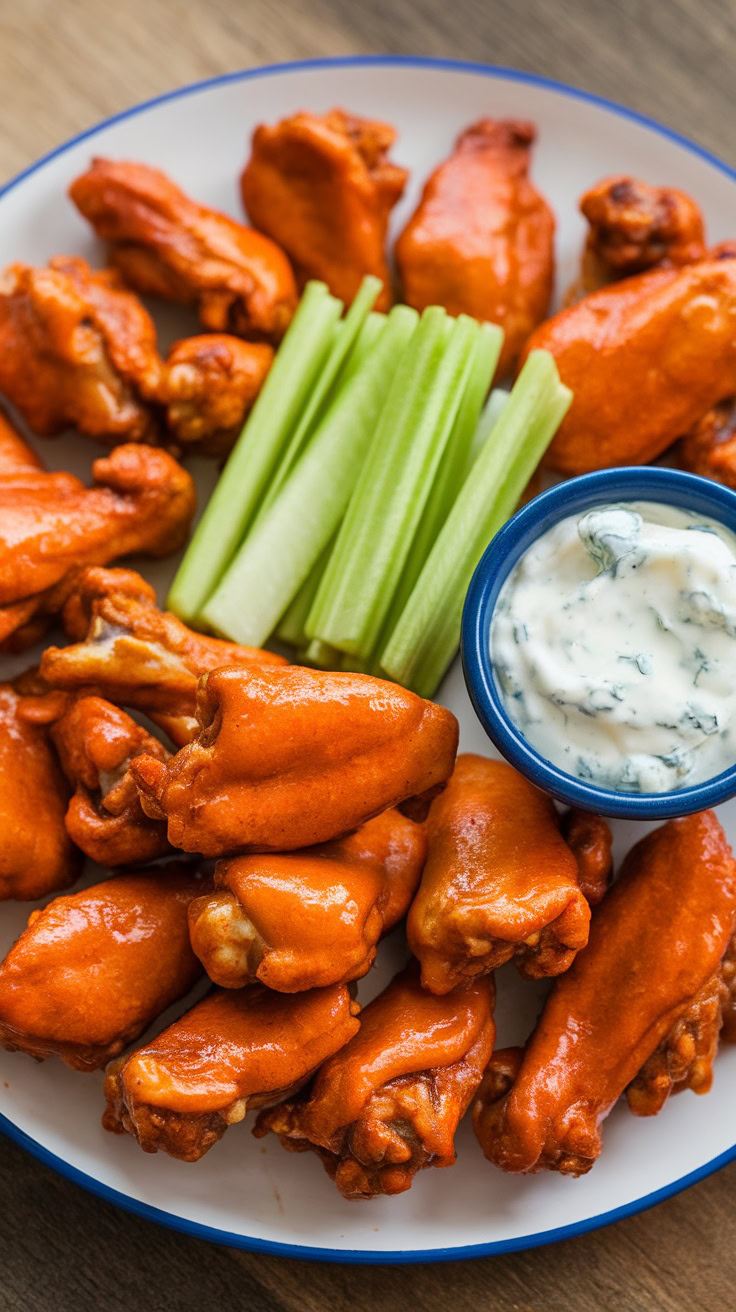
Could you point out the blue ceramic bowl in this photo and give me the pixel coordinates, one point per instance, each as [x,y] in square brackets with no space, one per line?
[635,483]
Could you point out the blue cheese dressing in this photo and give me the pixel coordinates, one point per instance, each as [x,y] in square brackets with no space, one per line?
[614,647]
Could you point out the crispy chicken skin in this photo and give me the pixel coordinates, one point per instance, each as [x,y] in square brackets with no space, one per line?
[287,757]
[499,883]
[51,525]
[323,188]
[638,1009]
[210,384]
[389,1103]
[302,920]
[77,350]
[94,583]
[94,969]
[481,240]
[709,449]
[37,856]
[634,226]
[95,742]
[169,246]
[237,1049]
[667,337]
[135,654]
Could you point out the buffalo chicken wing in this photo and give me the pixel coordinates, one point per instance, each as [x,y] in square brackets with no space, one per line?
[389,1103]
[590,840]
[96,742]
[286,757]
[169,246]
[481,240]
[16,455]
[639,1011]
[301,920]
[51,525]
[94,969]
[500,881]
[209,385]
[237,1049]
[709,449]
[634,227]
[135,654]
[37,856]
[77,349]
[324,188]
[667,337]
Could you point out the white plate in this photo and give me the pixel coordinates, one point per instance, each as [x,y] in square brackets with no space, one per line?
[253,1194]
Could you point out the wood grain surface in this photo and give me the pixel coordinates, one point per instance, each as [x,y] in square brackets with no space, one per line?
[63,65]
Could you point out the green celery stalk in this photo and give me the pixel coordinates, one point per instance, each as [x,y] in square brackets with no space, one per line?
[253,458]
[277,555]
[390,495]
[367,337]
[451,473]
[427,635]
[491,413]
[290,628]
[345,334]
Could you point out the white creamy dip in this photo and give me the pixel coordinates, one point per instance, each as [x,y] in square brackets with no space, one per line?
[614,647]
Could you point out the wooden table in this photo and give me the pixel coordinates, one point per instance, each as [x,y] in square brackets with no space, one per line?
[65,65]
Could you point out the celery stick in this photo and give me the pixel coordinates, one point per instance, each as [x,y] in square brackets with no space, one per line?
[427,634]
[290,628]
[344,337]
[491,413]
[281,549]
[368,335]
[253,458]
[390,495]
[451,473]
[322,655]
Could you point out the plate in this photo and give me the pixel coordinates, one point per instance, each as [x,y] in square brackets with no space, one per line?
[253,1194]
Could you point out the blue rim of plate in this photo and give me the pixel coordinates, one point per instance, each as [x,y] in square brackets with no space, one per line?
[306,1251]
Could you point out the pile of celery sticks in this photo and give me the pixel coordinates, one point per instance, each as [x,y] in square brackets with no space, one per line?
[367,481]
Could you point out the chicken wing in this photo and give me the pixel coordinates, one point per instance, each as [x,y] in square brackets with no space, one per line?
[482,239]
[94,969]
[590,840]
[96,742]
[237,1049]
[634,227]
[639,1010]
[37,856]
[389,1103]
[287,757]
[135,654]
[323,188]
[51,524]
[667,338]
[77,350]
[169,246]
[709,449]
[209,386]
[301,920]
[16,456]
[500,881]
